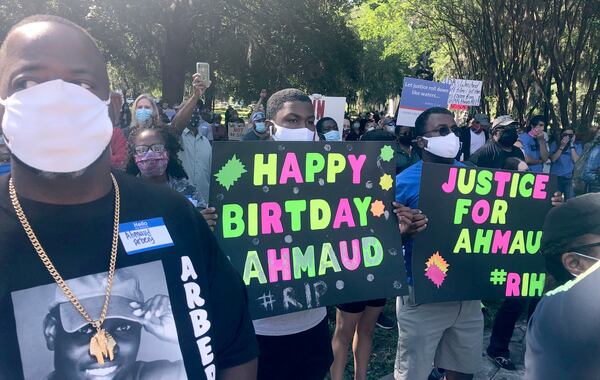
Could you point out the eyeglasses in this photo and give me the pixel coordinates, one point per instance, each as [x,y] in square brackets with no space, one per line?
[444,130]
[156,148]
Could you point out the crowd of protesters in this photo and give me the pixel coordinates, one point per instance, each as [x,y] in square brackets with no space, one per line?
[67,178]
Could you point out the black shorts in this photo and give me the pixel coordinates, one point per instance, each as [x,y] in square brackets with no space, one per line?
[359,307]
[303,356]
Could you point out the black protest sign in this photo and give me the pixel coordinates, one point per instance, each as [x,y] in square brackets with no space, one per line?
[483,236]
[308,224]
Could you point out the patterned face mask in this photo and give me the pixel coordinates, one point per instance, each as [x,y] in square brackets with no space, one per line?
[152,164]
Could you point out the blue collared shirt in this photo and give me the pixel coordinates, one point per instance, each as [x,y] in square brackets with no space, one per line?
[408,184]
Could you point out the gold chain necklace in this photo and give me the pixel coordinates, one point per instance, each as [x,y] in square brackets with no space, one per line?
[102,343]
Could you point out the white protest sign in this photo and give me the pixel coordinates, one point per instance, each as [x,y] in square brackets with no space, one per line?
[329,106]
[235,131]
[464,93]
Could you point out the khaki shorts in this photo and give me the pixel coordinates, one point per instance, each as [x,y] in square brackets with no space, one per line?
[448,335]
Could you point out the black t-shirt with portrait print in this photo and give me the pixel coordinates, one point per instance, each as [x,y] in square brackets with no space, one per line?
[177,310]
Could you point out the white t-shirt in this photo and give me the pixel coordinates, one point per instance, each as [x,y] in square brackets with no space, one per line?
[477,141]
[288,324]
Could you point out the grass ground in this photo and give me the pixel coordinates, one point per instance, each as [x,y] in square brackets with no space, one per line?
[385,341]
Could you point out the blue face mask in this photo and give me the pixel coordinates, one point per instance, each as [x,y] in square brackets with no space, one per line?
[260,127]
[143,115]
[333,136]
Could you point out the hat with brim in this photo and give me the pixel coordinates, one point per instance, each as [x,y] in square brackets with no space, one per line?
[482,119]
[503,121]
[118,308]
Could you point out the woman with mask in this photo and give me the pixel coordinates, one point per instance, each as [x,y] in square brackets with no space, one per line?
[153,155]
[328,130]
[145,112]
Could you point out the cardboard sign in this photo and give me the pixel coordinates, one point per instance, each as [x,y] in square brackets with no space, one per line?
[483,236]
[464,93]
[235,130]
[308,224]
[419,95]
[329,106]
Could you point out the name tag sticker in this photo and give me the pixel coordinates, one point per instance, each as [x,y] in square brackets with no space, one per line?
[144,235]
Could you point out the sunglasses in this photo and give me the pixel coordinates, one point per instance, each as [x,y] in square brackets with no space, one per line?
[445,131]
[580,247]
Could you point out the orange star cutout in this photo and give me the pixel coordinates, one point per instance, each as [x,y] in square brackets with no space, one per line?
[377,208]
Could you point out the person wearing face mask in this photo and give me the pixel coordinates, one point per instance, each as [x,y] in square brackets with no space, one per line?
[153,155]
[501,146]
[355,131]
[473,136]
[69,218]
[534,144]
[328,130]
[406,155]
[259,131]
[564,331]
[145,112]
[448,334]
[296,345]
[196,136]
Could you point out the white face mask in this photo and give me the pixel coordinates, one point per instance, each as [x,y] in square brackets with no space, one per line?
[443,146]
[287,134]
[56,127]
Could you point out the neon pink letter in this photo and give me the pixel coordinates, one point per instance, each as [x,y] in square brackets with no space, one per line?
[513,280]
[279,265]
[270,217]
[343,214]
[290,169]
[357,165]
[448,187]
[539,189]
[502,178]
[501,241]
[354,262]
[481,211]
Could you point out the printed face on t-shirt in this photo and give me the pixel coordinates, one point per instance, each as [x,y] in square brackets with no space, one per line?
[72,359]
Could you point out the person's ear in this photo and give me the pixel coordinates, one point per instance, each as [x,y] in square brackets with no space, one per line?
[50,330]
[574,263]
[421,142]
[270,126]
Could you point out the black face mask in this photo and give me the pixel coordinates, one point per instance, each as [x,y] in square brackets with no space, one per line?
[405,139]
[508,137]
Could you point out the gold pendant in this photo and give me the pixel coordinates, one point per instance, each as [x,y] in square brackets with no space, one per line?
[102,345]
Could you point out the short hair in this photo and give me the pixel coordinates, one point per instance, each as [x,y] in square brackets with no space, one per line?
[46,18]
[423,117]
[534,121]
[174,168]
[278,99]
[322,121]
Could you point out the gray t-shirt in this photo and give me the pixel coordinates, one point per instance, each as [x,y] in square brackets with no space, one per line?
[563,337]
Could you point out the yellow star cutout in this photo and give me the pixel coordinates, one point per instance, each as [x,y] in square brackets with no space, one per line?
[386,182]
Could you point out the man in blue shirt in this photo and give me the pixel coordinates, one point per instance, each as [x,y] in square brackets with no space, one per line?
[564,157]
[447,334]
[534,145]
[591,172]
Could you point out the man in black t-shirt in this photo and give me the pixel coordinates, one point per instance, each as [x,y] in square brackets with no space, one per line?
[500,146]
[61,204]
